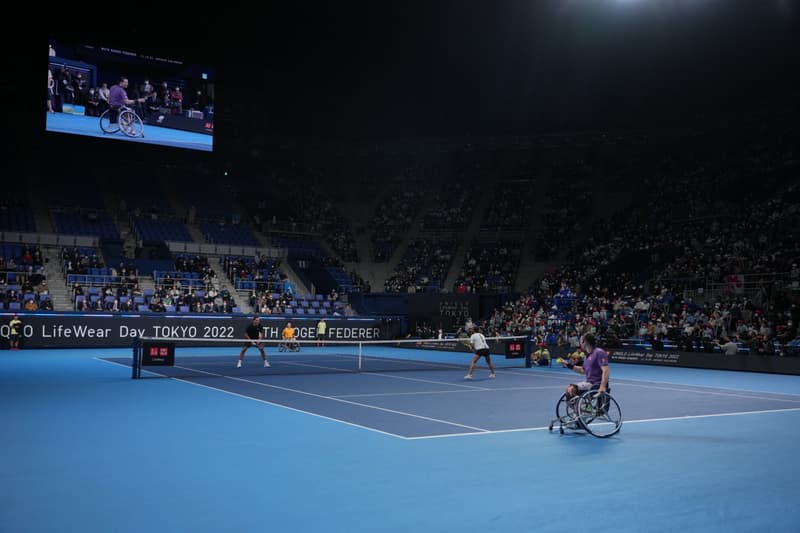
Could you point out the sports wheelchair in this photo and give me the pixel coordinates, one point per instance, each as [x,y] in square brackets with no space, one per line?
[289,345]
[595,412]
[128,122]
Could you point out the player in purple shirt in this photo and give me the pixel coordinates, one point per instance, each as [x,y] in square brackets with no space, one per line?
[118,98]
[594,367]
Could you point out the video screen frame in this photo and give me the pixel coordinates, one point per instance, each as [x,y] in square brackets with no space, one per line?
[171,101]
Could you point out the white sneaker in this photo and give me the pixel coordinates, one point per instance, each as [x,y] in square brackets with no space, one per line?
[468,376]
[266,363]
[239,363]
[491,375]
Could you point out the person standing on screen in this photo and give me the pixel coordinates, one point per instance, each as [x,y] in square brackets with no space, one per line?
[50,94]
[322,330]
[103,94]
[118,98]
[14,331]
[255,332]
[480,348]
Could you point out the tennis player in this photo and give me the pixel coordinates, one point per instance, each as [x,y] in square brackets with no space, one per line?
[480,348]
[594,367]
[289,335]
[15,330]
[254,331]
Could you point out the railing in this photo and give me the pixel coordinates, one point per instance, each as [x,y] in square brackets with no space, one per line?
[16,277]
[49,239]
[747,284]
[259,285]
[224,249]
[290,228]
[92,280]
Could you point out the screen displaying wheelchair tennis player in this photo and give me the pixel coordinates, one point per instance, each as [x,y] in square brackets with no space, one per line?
[170,99]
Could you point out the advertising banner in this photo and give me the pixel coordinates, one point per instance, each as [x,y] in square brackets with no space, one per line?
[72,330]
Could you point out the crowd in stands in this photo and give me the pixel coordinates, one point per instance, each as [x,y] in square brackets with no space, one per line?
[451,207]
[290,304]
[346,280]
[392,219]
[189,288]
[255,273]
[22,279]
[563,216]
[423,267]
[700,262]
[305,207]
[489,267]
[509,206]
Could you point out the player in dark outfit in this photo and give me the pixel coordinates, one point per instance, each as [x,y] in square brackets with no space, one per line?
[254,331]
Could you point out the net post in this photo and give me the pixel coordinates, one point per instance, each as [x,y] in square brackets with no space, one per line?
[528,351]
[136,369]
[360,344]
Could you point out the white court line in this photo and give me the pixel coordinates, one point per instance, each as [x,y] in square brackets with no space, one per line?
[290,408]
[697,388]
[112,362]
[321,396]
[325,397]
[280,405]
[482,389]
[667,419]
[718,392]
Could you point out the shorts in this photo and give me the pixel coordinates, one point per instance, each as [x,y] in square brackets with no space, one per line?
[483,352]
[584,386]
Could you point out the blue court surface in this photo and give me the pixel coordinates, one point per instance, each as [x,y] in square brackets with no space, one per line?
[312,443]
[90,126]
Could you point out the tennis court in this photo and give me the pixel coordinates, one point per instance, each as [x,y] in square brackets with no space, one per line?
[310,444]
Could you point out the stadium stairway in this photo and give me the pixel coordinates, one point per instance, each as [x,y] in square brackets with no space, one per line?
[382,271]
[529,268]
[41,212]
[56,282]
[195,233]
[465,242]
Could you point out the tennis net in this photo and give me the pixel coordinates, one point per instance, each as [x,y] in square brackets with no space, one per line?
[193,358]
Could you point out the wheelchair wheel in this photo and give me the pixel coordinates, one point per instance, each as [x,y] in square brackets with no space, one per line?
[106,126]
[599,414]
[567,410]
[566,413]
[130,124]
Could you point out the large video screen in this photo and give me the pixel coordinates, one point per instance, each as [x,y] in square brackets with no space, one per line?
[129,95]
